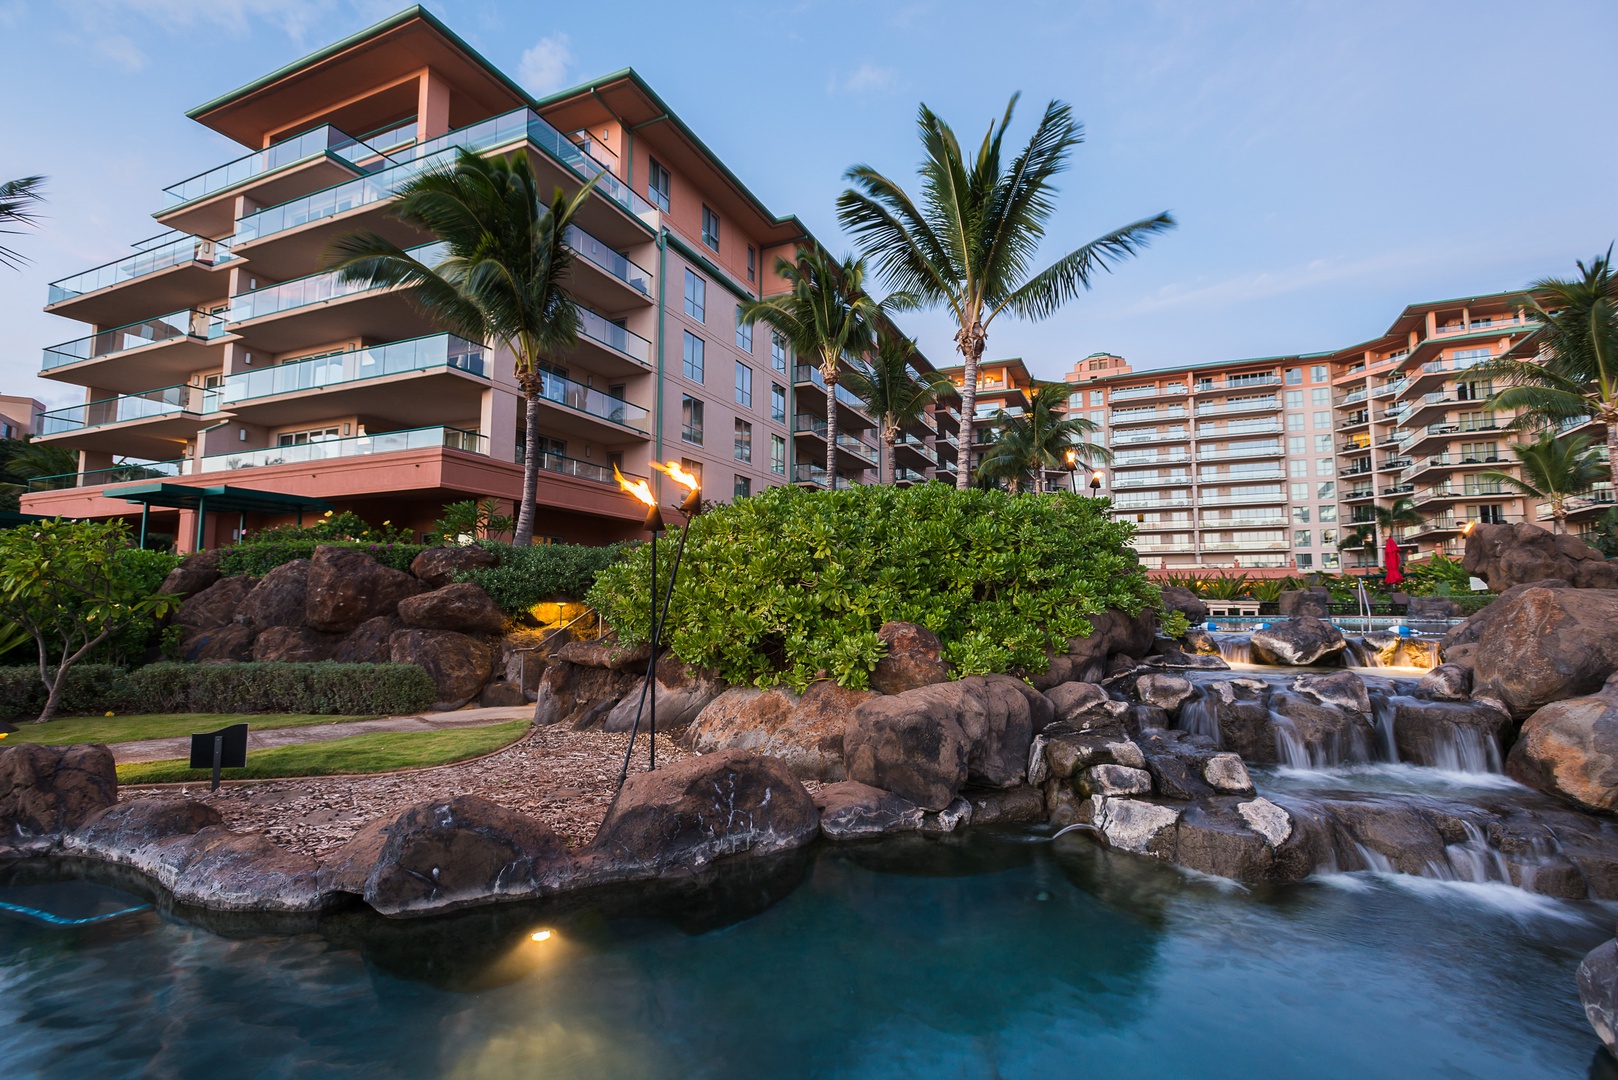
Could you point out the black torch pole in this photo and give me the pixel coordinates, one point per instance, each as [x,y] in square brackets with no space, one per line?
[654,522]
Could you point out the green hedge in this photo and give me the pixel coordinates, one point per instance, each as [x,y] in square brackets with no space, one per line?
[260,557]
[531,575]
[325,688]
[789,583]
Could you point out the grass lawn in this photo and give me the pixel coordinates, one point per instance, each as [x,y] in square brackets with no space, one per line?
[106,729]
[381,752]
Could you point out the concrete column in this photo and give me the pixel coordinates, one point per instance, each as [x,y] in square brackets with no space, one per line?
[432,106]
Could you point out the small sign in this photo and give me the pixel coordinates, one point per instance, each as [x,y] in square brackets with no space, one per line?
[1478,584]
[223,749]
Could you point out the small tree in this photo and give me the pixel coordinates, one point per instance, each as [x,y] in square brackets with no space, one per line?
[895,392]
[71,586]
[464,522]
[1028,445]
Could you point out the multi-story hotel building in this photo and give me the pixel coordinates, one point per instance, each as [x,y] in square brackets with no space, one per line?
[231,380]
[1269,462]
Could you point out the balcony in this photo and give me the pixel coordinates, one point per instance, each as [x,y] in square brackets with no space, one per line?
[166,273]
[1232,385]
[1388,389]
[1355,419]
[608,348]
[1235,430]
[1131,393]
[323,307]
[1351,397]
[1437,526]
[1361,467]
[1123,505]
[1244,450]
[314,159]
[1245,545]
[170,347]
[1134,480]
[154,424]
[912,447]
[1136,461]
[805,472]
[125,472]
[1180,524]
[1241,405]
[905,477]
[1391,464]
[1477,325]
[1241,476]
[1357,493]
[583,470]
[602,277]
[1149,435]
[809,375]
[1228,523]
[1580,507]
[1398,489]
[1363,447]
[1142,416]
[359,446]
[1244,499]
[863,453]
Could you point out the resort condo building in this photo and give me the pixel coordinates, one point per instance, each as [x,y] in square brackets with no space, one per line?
[232,381]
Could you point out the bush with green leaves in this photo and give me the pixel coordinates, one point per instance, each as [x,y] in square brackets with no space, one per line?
[260,557]
[531,575]
[470,520]
[89,690]
[786,584]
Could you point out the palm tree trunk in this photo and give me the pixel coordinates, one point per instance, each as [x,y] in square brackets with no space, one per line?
[530,383]
[831,427]
[970,340]
[893,459]
[1609,415]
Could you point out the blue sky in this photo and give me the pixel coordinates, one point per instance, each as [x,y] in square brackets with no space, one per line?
[1328,162]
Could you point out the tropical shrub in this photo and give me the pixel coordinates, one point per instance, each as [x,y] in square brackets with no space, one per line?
[88,689]
[471,519]
[1225,587]
[531,575]
[258,557]
[788,584]
[1436,576]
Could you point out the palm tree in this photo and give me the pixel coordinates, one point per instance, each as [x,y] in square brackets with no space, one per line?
[970,243]
[1555,469]
[500,279]
[19,200]
[825,314]
[895,392]
[1576,373]
[1026,446]
[1387,519]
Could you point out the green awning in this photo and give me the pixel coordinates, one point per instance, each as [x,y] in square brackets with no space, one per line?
[221,498]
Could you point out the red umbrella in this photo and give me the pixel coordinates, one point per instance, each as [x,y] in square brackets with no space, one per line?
[1391,554]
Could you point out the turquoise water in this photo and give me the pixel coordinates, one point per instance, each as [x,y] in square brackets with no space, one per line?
[991,955]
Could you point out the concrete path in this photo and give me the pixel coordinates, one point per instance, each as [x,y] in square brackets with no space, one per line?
[167,749]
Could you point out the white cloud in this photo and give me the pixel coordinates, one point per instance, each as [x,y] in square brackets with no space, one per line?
[865,79]
[543,67]
[110,26]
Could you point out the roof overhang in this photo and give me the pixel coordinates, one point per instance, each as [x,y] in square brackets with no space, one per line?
[220,498]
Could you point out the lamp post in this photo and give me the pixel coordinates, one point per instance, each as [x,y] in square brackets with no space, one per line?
[1071,462]
[1095,484]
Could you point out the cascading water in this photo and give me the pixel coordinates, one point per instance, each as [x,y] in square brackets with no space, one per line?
[1465,750]
[1200,715]
[1235,648]
[1382,713]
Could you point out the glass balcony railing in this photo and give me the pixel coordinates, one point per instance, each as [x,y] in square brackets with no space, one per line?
[117,474]
[808,373]
[518,125]
[1238,476]
[358,446]
[1251,427]
[181,324]
[1122,480]
[1238,382]
[317,142]
[313,289]
[1147,435]
[169,401]
[1252,404]
[1245,497]
[613,336]
[335,369]
[1252,449]
[567,466]
[581,398]
[808,473]
[1136,415]
[599,254]
[154,255]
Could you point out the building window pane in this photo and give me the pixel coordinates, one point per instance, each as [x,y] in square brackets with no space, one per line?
[744,332]
[778,455]
[1306,561]
[1328,490]
[710,228]
[690,419]
[1317,373]
[744,386]
[1297,467]
[1301,538]
[694,349]
[742,450]
[778,403]
[1328,513]
[1294,376]
[1320,395]
[696,296]
[693,467]
[778,353]
[1294,399]
[1295,445]
[1322,444]
[743,488]
[1294,421]
[1322,421]
[657,186]
[1323,467]
[752,263]
[1300,491]
[1300,514]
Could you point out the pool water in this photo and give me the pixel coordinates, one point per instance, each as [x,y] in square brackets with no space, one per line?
[992,954]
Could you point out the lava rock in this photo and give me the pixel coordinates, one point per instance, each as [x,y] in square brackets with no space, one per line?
[227,871]
[49,790]
[1080,702]
[1450,734]
[581,695]
[500,694]
[805,733]
[1546,645]
[438,566]
[683,817]
[1069,751]
[367,643]
[233,642]
[1570,749]
[1086,658]
[1314,601]
[1178,598]
[346,587]
[1167,692]
[279,597]
[1446,682]
[1201,643]
[914,659]
[464,607]
[1250,840]
[1343,689]
[1520,554]
[294,644]
[1227,773]
[195,573]
[1114,780]
[1023,805]
[682,695]
[1129,824]
[852,811]
[1598,992]
[459,665]
[213,609]
[1298,642]
[120,832]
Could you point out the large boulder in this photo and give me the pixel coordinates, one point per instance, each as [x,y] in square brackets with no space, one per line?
[1570,748]
[231,642]
[684,816]
[914,659]
[1472,627]
[681,696]
[1298,642]
[438,566]
[852,811]
[1446,682]
[805,733]
[294,645]
[1309,733]
[1520,554]
[346,587]
[1245,839]
[458,664]
[279,597]
[1343,689]
[1167,692]
[228,871]
[195,573]
[580,695]
[464,607]
[123,832]
[450,853]
[367,643]
[214,606]
[925,744]
[1178,598]
[1598,992]
[1087,659]
[1545,645]
[48,790]
[1315,602]
[1083,703]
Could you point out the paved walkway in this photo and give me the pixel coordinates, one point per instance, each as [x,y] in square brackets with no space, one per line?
[166,749]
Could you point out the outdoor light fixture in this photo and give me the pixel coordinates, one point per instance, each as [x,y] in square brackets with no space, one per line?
[540,935]
[689,507]
[1466,530]
[1071,463]
[1095,484]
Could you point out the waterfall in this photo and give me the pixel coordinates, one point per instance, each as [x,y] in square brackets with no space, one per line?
[1464,749]
[1234,648]
[1357,655]
[1382,711]
[1471,860]
[1199,715]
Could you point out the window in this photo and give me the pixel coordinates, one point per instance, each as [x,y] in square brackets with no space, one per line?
[1317,373]
[744,386]
[1328,513]
[752,263]
[778,353]
[1298,467]
[710,228]
[743,488]
[1322,444]
[1323,466]
[1300,491]
[1294,377]
[692,467]
[1301,538]
[693,357]
[1296,445]
[742,449]
[1294,399]
[690,419]
[1328,537]
[778,403]
[1320,395]
[1322,421]
[1328,490]
[1098,397]
[1306,561]
[744,332]
[1098,418]
[1300,514]
[1295,421]
[1076,401]
[657,186]
[1331,560]
[299,438]
[696,296]
[778,455]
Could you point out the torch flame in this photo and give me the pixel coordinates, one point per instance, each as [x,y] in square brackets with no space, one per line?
[640,488]
[675,472]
